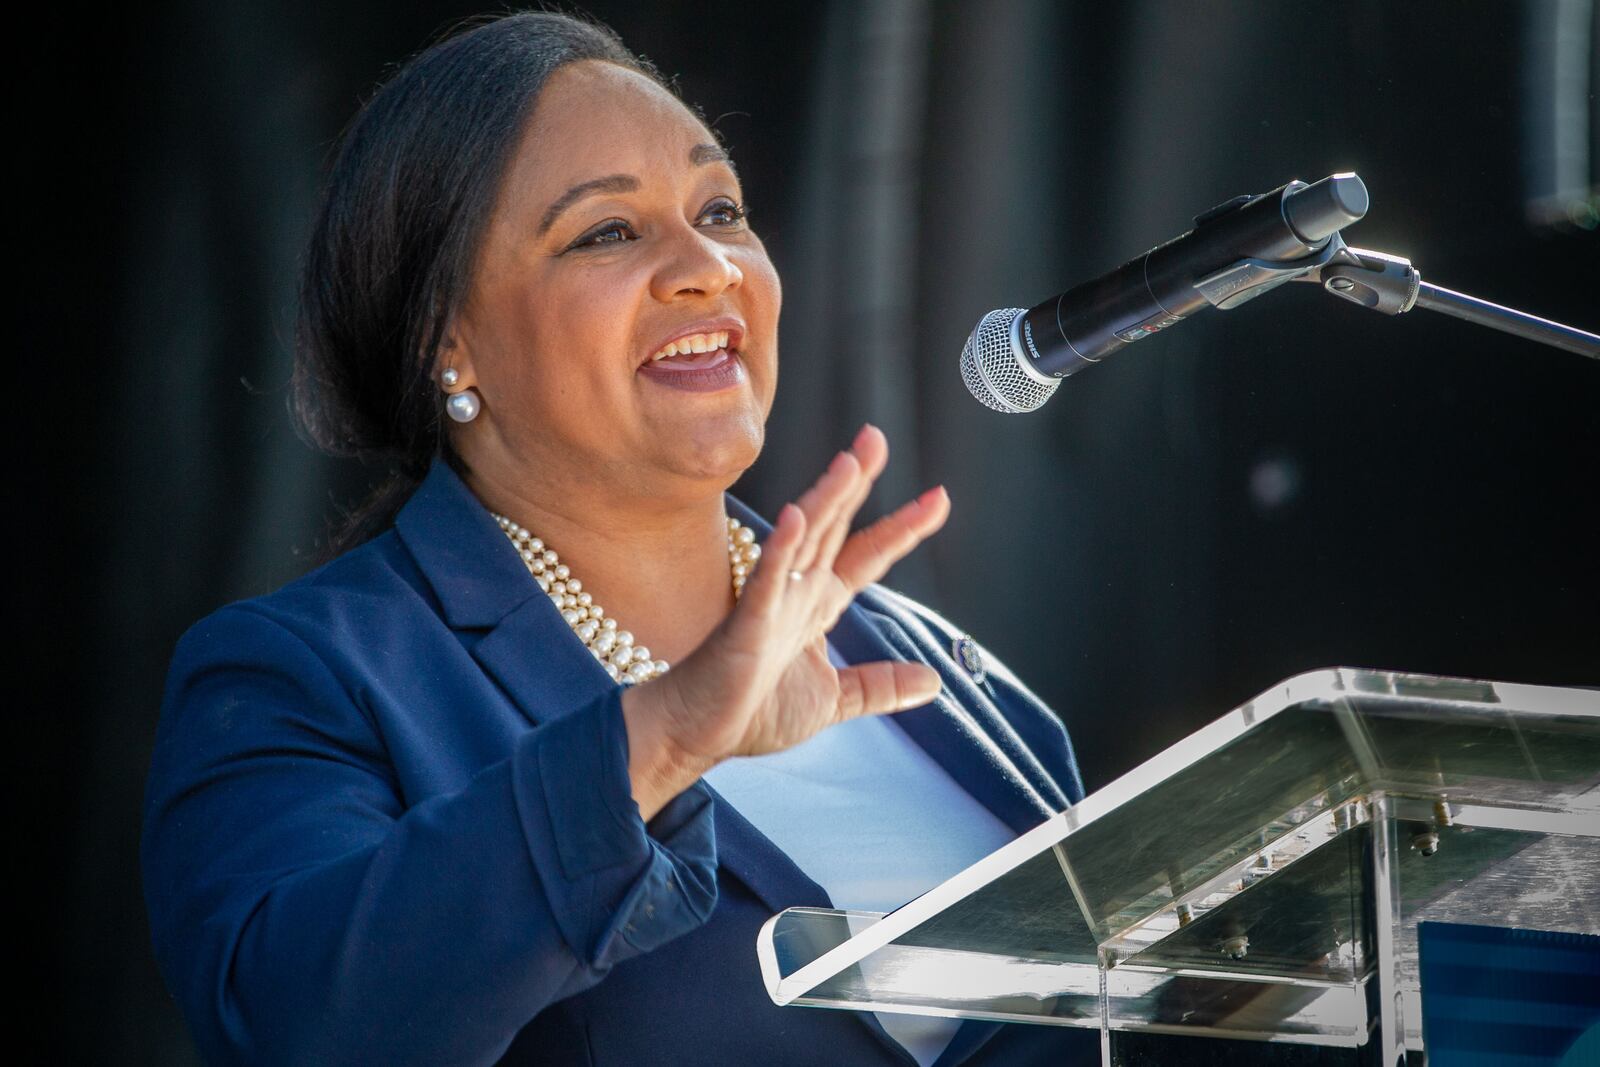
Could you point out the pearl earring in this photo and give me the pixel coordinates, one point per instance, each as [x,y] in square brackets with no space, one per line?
[463,406]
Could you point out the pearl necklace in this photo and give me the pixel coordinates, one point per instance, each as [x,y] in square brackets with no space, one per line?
[626,662]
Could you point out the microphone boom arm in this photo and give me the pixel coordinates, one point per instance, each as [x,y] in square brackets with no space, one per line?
[1390,284]
[1386,283]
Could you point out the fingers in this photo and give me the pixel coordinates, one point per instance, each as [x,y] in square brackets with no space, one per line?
[868,555]
[885,686]
[822,504]
[832,503]
[871,450]
[764,587]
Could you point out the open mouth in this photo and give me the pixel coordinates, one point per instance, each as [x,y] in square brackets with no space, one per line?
[697,372]
[690,361]
[698,344]
[704,358]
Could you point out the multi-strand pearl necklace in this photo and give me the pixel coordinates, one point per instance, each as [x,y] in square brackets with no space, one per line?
[614,648]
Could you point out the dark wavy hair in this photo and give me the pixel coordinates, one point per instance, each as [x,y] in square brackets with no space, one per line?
[402,215]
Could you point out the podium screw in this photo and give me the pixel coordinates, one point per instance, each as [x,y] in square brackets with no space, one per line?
[1426,842]
[1236,948]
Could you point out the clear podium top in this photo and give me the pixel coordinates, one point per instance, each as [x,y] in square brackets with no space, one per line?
[1244,853]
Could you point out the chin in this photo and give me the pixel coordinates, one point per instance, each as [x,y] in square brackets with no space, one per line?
[723,450]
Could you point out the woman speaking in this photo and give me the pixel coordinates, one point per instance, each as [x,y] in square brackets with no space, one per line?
[517,776]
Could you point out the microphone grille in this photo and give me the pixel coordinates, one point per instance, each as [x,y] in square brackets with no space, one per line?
[992,371]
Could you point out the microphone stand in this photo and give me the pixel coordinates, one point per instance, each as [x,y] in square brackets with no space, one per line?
[1392,285]
[1389,284]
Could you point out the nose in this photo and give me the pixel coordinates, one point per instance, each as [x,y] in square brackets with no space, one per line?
[695,263]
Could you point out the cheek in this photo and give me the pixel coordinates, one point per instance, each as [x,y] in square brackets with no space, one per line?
[762,278]
[765,278]
[577,329]
[528,355]
[763,300]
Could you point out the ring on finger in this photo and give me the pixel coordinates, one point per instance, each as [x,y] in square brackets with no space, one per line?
[795,576]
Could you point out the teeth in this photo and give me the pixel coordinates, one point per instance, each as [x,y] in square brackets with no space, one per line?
[695,342]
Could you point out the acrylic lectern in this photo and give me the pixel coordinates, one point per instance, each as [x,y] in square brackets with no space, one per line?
[1263,880]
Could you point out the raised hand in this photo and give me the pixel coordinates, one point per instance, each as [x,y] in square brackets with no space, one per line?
[761,681]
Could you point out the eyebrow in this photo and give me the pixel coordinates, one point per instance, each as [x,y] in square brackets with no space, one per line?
[699,155]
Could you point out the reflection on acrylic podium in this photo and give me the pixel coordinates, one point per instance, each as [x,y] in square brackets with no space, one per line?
[1264,880]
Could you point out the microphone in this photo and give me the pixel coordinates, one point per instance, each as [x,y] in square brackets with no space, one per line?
[1015,358]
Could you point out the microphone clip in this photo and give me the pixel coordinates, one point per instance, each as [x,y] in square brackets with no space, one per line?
[1375,280]
[1249,278]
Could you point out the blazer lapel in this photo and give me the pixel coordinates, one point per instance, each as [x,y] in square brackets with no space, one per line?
[482,585]
[957,737]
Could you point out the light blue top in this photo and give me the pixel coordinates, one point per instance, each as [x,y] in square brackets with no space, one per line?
[874,820]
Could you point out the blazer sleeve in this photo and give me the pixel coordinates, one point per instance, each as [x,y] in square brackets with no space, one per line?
[303,913]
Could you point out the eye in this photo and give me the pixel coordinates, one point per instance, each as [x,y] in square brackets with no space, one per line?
[729,215]
[733,213]
[601,235]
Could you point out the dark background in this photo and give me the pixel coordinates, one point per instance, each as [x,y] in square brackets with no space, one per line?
[1293,484]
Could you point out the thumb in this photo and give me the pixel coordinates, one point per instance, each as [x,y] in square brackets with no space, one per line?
[885,686]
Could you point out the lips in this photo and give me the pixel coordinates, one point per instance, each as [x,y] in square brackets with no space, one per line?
[718,371]
[734,326]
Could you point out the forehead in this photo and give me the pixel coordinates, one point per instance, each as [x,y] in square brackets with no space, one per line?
[595,118]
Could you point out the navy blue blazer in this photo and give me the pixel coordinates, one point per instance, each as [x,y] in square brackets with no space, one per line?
[388,821]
